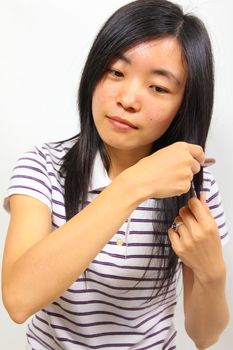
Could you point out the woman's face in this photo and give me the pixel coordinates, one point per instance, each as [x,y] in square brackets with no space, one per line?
[144,87]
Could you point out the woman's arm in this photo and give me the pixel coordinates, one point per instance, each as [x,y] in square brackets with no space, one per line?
[205,307]
[39,265]
[198,245]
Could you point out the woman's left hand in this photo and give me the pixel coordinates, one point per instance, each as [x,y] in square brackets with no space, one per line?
[197,242]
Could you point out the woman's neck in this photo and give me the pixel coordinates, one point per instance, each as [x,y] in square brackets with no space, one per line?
[123,159]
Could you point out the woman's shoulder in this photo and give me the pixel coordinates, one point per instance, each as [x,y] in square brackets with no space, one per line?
[211,188]
[215,203]
[55,150]
[208,178]
[37,171]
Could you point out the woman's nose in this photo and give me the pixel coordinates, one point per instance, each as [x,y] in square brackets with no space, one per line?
[128,98]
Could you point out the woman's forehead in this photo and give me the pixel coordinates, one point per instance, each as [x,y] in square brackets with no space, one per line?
[163,52]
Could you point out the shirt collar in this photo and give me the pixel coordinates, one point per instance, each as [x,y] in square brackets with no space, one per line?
[99,177]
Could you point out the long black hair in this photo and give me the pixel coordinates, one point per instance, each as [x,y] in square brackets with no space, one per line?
[132,24]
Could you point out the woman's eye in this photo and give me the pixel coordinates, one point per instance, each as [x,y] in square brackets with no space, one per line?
[116,73]
[160,90]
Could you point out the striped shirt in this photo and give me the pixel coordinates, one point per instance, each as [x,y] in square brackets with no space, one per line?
[107,312]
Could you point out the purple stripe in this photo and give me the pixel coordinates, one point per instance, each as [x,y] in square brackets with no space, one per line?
[219,215]
[134,267]
[31,347]
[54,201]
[148,220]
[140,232]
[31,168]
[86,291]
[42,331]
[31,152]
[94,324]
[45,333]
[46,154]
[142,244]
[33,179]
[216,194]
[149,233]
[223,236]
[100,335]
[52,174]
[96,335]
[49,147]
[54,163]
[170,340]
[116,345]
[40,153]
[105,275]
[163,319]
[215,206]
[205,190]
[110,333]
[41,320]
[213,182]
[33,160]
[60,216]
[37,340]
[109,296]
[132,256]
[91,313]
[122,288]
[29,188]
[156,324]
[57,315]
[206,179]
[222,225]
[87,314]
[88,302]
[157,332]
[149,346]
[40,341]
[57,190]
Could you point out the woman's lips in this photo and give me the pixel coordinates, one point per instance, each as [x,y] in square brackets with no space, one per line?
[121,123]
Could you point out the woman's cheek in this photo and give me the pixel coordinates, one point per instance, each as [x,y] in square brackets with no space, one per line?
[159,120]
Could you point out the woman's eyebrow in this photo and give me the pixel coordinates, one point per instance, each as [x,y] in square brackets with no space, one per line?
[167,74]
[158,71]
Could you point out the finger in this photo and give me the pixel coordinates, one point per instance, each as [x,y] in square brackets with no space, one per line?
[202,198]
[196,166]
[188,219]
[184,233]
[174,239]
[209,162]
[204,203]
[199,210]
[197,152]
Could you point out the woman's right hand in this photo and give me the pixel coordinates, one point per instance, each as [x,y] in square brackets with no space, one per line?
[167,172]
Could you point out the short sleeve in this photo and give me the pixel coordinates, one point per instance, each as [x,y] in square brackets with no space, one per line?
[30,177]
[214,202]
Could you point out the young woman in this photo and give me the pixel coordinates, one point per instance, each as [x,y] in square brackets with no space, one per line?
[102,224]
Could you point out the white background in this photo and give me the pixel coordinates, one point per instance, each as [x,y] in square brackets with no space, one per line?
[43,46]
